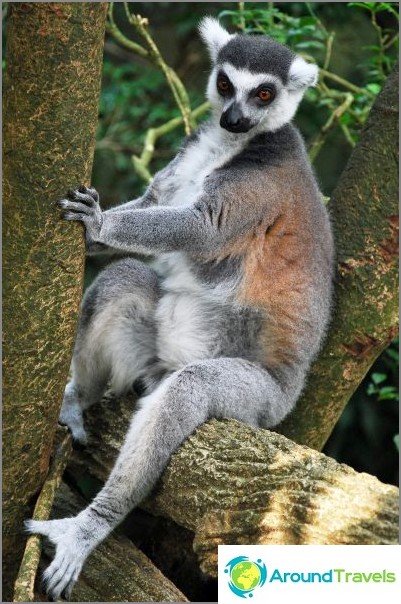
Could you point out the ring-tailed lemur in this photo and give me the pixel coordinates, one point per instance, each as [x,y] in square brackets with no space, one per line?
[227,322]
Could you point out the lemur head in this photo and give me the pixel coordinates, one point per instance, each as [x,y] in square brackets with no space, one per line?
[255,81]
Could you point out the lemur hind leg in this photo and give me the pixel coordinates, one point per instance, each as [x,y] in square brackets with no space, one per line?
[116,338]
[223,388]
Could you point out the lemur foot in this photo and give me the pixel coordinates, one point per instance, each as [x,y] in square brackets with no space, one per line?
[59,578]
[83,204]
[71,414]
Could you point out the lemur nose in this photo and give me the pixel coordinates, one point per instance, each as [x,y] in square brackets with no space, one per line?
[233,120]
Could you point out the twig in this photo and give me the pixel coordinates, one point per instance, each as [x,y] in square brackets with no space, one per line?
[176,86]
[345,83]
[338,79]
[329,48]
[334,116]
[241,9]
[119,36]
[318,21]
[378,29]
[24,584]
[347,135]
[141,163]
[389,42]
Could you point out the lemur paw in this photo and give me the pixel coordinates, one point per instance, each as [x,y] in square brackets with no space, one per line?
[71,416]
[59,578]
[83,204]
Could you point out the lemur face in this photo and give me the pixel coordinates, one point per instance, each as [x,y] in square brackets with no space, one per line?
[255,81]
[245,97]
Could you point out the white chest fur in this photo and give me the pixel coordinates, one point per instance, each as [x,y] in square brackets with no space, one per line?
[209,152]
[185,314]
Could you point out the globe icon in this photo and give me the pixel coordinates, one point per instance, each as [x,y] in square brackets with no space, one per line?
[245,575]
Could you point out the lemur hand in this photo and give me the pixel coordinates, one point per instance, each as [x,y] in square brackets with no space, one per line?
[83,204]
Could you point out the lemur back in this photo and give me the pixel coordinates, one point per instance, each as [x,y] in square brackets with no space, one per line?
[227,318]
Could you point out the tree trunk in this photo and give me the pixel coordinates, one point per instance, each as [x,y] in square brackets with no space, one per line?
[230,483]
[52,84]
[364,210]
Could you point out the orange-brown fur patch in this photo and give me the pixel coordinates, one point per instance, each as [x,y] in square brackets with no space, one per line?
[274,279]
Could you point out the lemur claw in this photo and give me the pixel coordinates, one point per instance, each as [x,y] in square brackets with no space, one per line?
[83,204]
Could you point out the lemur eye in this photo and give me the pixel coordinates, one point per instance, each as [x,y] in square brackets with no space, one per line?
[264,94]
[223,85]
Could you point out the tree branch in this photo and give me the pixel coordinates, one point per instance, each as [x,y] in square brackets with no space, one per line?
[152,53]
[344,83]
[230,483]
[114,31]
[332,120]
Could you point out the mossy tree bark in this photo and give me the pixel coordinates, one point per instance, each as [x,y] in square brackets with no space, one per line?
[52,84]
[364,210]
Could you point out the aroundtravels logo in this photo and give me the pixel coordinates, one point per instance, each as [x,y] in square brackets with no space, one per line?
[245,575]
[268,573]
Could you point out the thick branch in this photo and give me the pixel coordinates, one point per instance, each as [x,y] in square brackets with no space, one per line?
[230,483]
[364,211]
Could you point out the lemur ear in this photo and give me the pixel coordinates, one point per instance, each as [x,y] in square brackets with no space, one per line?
[214,35]
[302,74]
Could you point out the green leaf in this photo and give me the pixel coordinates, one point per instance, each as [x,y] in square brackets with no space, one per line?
[393,354]
[307,21]
[310,44]
[369,6]
[396,441]
[378,378]
[345,119]
[388,393]
[373,87]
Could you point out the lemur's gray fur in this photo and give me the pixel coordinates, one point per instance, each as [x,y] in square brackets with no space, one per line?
[228,319]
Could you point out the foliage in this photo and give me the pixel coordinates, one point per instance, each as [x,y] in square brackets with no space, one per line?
[123,104]
[383,379]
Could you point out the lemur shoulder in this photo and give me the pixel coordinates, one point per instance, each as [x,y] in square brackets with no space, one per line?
[227,320]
